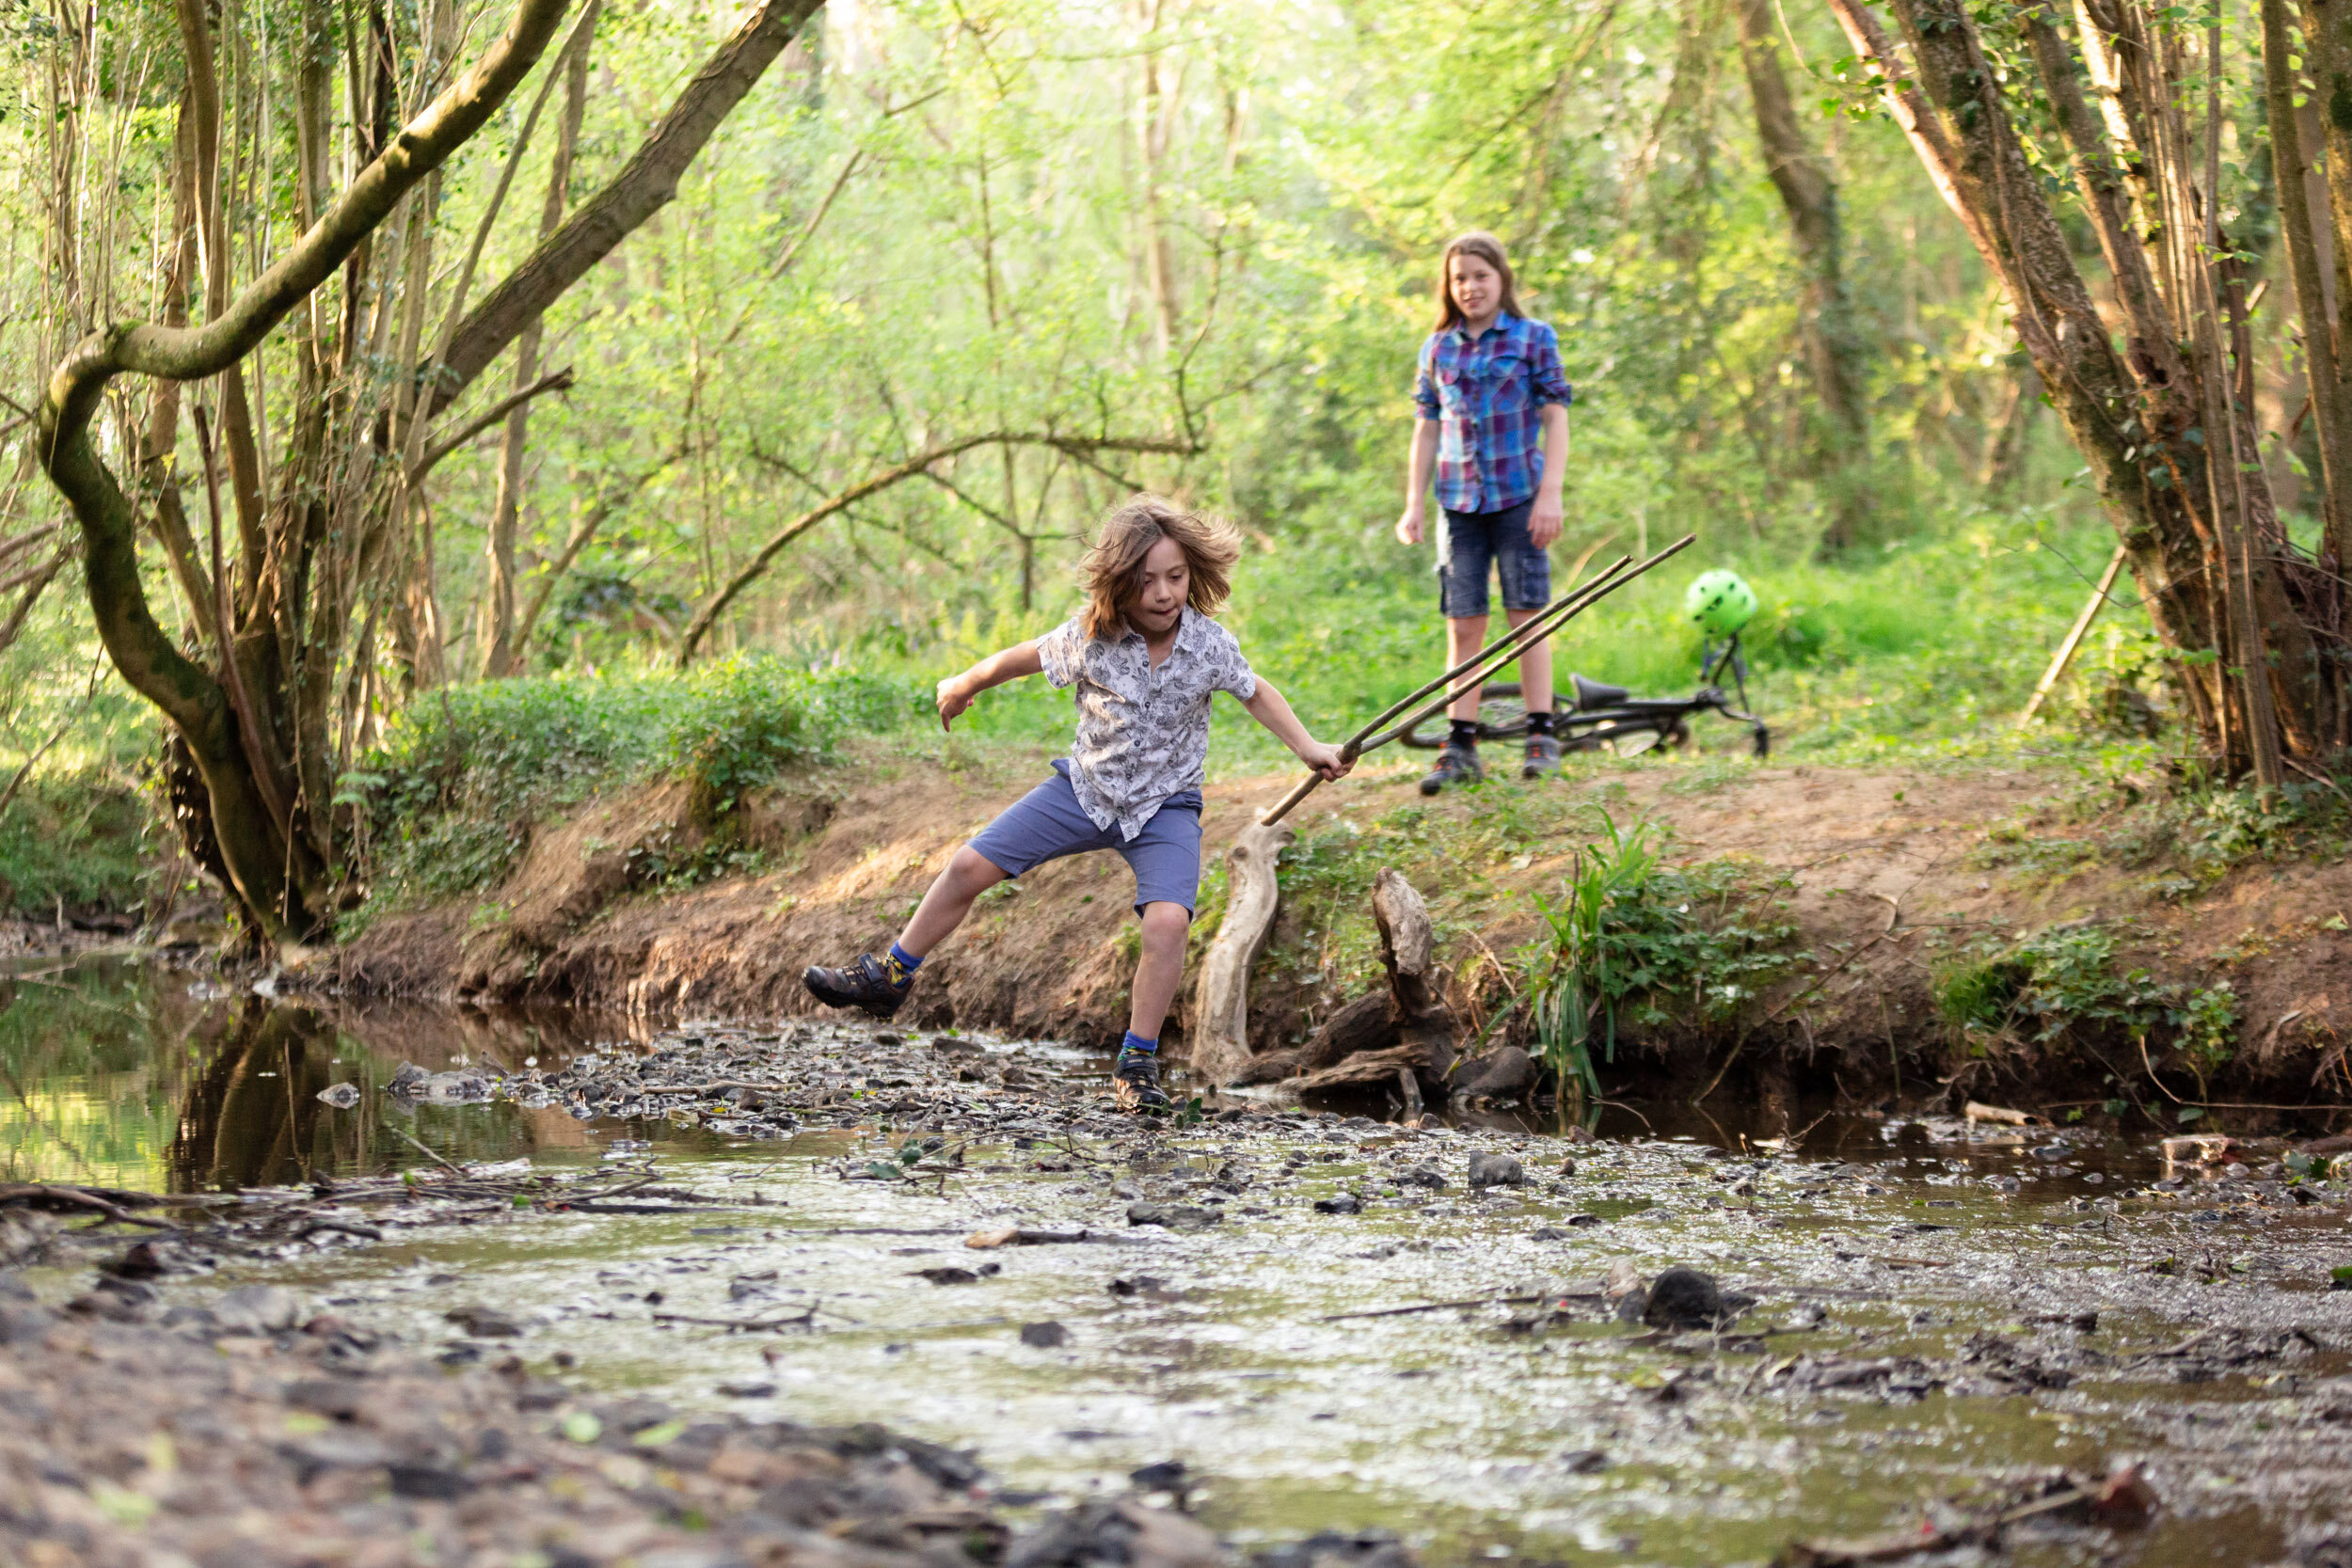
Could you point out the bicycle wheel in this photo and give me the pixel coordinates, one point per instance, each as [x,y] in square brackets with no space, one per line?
[1501,716]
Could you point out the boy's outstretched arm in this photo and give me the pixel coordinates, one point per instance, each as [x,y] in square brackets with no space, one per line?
[1267,708]
[957,691]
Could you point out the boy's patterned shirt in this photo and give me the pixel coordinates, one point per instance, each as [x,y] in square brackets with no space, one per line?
[1143,733]
[1488,395]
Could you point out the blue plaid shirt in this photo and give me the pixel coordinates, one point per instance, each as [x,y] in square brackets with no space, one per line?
[1488,397]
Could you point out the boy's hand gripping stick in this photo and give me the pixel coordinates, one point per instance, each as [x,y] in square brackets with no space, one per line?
[1471,672]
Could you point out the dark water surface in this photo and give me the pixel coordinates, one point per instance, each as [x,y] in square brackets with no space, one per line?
[1945,1257]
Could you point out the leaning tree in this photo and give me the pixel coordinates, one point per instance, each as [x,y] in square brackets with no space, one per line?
[301,547]
[2120,109]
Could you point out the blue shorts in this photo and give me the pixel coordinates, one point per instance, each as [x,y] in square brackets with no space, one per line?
[1473,539]
[1048,823]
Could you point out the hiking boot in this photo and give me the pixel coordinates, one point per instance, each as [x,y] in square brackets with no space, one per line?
[1457,764]
[1543,756]
[864,984]
[1136,1081]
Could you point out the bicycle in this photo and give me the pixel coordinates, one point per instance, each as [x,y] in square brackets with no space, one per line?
[1609,718]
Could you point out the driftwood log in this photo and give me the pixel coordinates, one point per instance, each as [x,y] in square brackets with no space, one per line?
[1220,1044]
[1406,1028]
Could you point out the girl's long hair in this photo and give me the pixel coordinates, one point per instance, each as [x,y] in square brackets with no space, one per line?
[1486,249]
[1112,569]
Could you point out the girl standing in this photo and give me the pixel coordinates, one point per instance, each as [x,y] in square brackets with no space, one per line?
[1493,426]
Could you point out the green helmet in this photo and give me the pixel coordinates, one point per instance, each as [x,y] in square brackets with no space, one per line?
[1718,603]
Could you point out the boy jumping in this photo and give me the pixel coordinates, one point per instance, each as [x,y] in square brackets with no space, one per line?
[1146,657]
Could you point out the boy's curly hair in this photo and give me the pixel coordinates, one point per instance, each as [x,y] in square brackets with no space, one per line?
[1113,567]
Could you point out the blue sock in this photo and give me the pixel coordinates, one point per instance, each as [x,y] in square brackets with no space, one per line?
[901,965]
[1138,1044]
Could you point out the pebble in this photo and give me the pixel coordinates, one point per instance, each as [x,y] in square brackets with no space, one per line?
[1496,1170]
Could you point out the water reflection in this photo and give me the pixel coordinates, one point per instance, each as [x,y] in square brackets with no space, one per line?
[124,1075]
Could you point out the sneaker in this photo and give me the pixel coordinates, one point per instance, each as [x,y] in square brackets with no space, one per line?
[864,984]
[1543,756]
[1455,765]
[1136,1083]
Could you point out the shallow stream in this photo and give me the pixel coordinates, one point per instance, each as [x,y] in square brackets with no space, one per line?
[1940,1311]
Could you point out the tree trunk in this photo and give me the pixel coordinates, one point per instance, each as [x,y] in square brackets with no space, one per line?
[2156,418]
[500,656]
[1220,1046]
[281,886]
[1832,343]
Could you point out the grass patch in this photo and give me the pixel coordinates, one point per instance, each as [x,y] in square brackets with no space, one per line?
[448,801]
[2066,979]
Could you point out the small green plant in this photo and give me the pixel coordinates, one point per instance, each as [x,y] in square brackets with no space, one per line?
[1574,991]
[1629,931]
[2066,977]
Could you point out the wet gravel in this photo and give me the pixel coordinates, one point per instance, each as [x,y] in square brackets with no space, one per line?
[1497,1342]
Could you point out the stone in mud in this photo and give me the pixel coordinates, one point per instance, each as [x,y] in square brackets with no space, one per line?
[1496,1170]
[952,1276]
[484,1323]
[1175,1216]
[429,1481]
[1508,1072]
[1372,1548]
[258,1309]
[1345,1203]
[1683,1298]
[342,1096]
[1117,1531]
[1046,1336]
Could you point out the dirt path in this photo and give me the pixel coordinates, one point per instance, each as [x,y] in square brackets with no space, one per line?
[1908,866]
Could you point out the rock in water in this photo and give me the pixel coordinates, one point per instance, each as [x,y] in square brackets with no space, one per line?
[1343,1204]
[258,1309]
[483,1322]
[1175,1216]
[1683,1298]
[1496,1170]
[342,1096]
[1046,1336]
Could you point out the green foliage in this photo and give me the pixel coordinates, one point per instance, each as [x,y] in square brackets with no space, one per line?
[2066,978]
[86,843]
[448,797]
[1630,929]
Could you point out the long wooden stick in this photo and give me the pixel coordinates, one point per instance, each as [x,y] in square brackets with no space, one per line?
[2065,654]
[1515,635]
[1475,671]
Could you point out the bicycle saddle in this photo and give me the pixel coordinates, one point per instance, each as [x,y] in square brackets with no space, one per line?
[1594,694]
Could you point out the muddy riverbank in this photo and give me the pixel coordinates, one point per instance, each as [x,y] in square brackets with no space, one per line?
[1334,1323]
[1887,882]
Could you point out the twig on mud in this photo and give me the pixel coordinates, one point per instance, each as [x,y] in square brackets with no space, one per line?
[743,1325]
[1472,1301]
[716,1085]
[2220,1104]
[69,1199]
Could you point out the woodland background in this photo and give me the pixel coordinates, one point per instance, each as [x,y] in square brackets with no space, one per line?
[1092,248]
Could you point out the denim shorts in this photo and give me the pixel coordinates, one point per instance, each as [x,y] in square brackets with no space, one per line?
[1048,823]
[1471,540]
